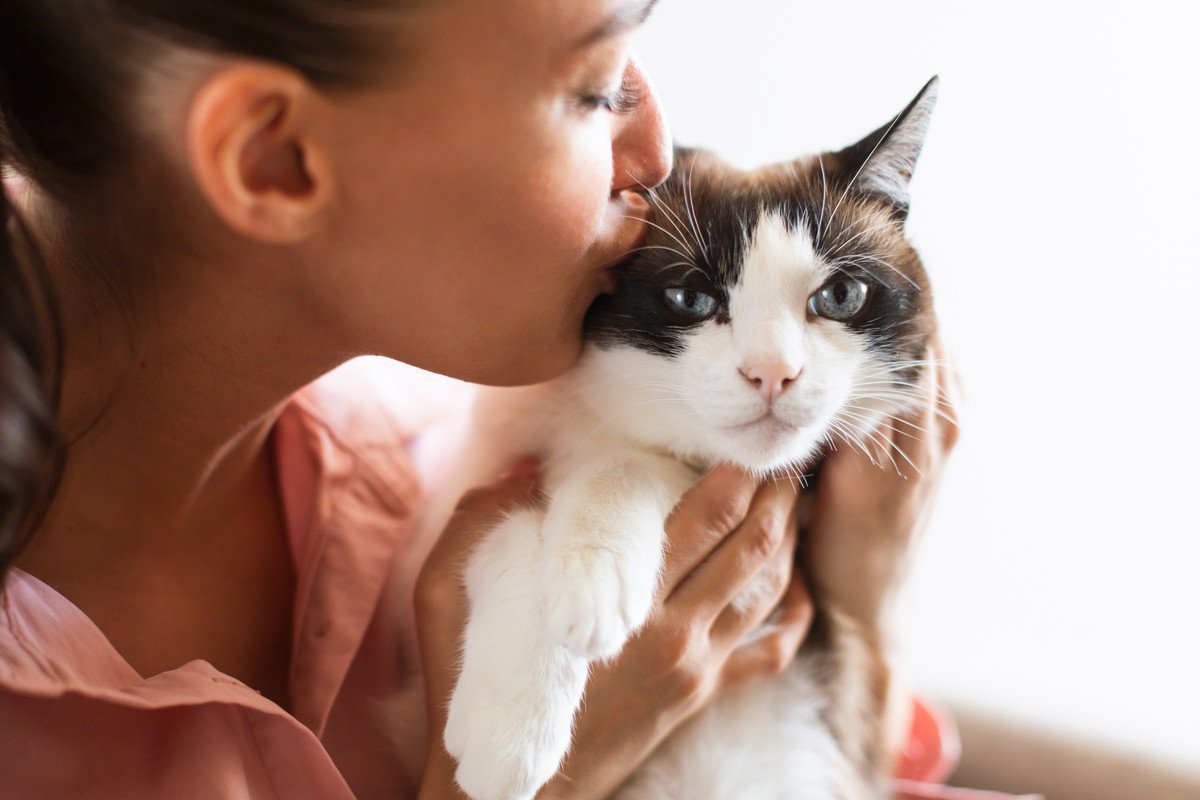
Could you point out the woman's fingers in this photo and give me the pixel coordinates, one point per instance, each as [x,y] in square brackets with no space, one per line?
[706,514]
[710,587]
[759,598]
[776,644]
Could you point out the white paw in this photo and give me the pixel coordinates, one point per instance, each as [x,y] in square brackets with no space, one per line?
[457,733]
[592,603]
[495,760]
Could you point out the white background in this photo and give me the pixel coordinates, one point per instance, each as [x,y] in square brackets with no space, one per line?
[1056,208]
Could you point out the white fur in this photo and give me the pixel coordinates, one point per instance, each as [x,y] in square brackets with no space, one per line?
[621,438]
[765,741]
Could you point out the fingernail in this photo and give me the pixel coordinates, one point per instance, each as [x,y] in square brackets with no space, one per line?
[527,467]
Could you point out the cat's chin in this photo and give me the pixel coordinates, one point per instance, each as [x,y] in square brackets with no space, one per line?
[767,445]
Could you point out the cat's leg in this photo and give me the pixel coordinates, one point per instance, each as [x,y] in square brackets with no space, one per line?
[603,542]
[510,713]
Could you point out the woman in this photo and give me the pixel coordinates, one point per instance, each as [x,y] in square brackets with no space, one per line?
[231,200]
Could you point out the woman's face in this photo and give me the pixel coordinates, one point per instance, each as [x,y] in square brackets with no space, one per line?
[482,192]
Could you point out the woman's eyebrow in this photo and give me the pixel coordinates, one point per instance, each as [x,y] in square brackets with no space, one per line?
[625,18]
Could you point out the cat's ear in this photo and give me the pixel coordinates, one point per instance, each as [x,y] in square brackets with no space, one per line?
[882,163]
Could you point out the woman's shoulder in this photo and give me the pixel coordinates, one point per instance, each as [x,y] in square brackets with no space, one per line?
[368,418]
[374,401]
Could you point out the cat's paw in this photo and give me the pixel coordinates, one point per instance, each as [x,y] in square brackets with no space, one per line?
[485,773]
[504,751]
[593,602]
[457,733]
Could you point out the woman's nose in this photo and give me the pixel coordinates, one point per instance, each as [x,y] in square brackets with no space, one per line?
[642,144]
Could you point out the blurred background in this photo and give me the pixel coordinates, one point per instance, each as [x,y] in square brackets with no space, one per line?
[1056,206]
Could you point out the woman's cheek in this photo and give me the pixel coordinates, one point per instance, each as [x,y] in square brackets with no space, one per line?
[562,218]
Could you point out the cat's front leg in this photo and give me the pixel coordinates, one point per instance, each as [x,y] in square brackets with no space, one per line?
[603,548]
[510,713]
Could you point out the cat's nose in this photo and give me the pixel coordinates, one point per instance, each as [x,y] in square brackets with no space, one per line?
[770,378]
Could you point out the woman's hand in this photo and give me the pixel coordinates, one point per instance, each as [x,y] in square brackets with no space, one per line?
[725,533]
[865,519]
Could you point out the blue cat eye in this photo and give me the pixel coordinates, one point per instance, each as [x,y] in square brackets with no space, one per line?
[690,303]
[840,299]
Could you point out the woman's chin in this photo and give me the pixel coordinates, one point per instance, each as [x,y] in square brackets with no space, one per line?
[505,363]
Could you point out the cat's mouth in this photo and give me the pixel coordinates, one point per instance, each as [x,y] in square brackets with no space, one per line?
[767,422]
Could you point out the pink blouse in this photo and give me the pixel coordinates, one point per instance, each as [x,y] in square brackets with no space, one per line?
[76,721]
[353,452]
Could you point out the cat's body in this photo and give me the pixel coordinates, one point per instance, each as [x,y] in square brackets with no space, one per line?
[770,313]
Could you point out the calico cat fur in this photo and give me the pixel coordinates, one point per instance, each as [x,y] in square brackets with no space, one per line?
[724,342]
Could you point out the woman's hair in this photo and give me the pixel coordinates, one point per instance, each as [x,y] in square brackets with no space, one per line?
[70,71]
[30,452]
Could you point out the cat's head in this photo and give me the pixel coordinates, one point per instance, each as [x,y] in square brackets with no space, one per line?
[772,309]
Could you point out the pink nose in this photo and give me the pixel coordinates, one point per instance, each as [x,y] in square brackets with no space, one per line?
[770,378]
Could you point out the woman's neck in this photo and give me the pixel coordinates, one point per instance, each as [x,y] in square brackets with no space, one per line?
[170,390]
[167,528]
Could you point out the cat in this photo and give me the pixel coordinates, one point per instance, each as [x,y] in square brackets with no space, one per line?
[770,313]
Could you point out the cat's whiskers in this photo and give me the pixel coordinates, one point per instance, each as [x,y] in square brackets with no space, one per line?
[894,419]
[870,423]
[866,418]
[936,409]
[896,403]
[674,250]
[824,200]
[654,224]
[642,331]
[888,384]
[848,436]
[691,268]
[942,399]
[662,206]
[689,206]
[795,478]
[841,265]
[854,260]
[676,222]
[887,371]
[841,245]
[886,392]
[875,437]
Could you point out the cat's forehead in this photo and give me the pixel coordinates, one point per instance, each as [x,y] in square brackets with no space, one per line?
[799,208]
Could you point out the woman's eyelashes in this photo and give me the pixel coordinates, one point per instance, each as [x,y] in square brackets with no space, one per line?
[622,100]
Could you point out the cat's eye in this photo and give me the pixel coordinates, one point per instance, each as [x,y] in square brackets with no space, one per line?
[840,299]
[690,303]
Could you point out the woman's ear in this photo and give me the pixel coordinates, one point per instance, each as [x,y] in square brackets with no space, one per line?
[253,145]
